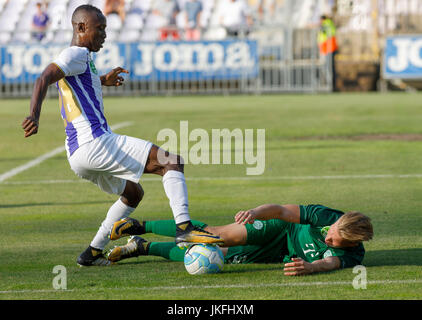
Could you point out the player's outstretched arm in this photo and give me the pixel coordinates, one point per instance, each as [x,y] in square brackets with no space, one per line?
[288,212]
[50,75]
[113,78]
[300,267]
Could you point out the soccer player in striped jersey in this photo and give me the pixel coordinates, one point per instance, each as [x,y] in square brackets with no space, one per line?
[113,162]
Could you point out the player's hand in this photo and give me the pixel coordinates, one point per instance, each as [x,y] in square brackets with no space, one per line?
[113,78]
[244,217]
[30,126]
[298,267]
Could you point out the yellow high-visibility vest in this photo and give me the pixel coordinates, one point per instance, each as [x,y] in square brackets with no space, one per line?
[327,37]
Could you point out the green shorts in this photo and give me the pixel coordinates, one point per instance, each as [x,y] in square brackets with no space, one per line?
[266,243]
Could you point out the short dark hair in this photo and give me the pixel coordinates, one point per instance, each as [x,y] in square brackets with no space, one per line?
[86,8]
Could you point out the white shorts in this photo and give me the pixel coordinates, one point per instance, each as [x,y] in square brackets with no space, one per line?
[110,160]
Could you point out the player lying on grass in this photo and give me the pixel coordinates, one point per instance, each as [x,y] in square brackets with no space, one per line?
[113,162]
[308,239]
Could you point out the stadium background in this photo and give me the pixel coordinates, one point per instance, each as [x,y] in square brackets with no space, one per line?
[274,50]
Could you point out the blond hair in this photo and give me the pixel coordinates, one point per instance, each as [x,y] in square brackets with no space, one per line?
[355,226]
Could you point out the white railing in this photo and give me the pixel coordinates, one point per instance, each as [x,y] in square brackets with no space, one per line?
[286,60]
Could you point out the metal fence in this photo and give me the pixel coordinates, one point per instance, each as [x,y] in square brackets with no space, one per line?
[280,60]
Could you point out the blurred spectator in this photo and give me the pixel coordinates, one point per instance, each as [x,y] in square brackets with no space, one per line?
[193,10]
[207,10]
[235,17]
[327,44]
[140,7]
[181,16]
[270,12]
[162,18]
[40,22]
[116,7]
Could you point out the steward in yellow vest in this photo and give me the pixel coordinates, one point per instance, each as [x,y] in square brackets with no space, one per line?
[327,42]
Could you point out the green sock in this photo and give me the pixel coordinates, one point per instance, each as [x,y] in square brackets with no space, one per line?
[167,227]
[168,250]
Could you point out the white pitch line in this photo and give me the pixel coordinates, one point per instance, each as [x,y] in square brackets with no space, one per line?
[276,285]
[232,286]
[247,178]
[324,177]
[46,156]
[30,164]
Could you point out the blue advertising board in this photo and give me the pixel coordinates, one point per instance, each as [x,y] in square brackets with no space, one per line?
[403,57]
[157,61]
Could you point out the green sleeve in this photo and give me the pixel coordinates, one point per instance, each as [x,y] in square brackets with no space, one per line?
[348,257]
[318,215]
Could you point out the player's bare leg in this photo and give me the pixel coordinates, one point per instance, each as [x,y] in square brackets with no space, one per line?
[171,168]
[121,209]
[233,234]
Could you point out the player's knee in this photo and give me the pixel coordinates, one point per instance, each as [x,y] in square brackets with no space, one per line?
[232,235]
[133,200]
[217,231]
[139,194]
[133,194]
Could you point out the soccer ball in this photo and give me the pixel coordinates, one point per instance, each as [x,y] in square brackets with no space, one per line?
[203,258]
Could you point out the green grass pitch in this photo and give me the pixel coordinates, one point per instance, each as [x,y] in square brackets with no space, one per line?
[348,151]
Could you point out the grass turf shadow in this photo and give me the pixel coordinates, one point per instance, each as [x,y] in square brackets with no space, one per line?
[399,257]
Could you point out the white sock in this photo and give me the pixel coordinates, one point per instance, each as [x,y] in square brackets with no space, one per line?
[177,192]
[117,211]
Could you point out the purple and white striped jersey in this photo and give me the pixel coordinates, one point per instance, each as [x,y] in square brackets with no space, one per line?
[81,99]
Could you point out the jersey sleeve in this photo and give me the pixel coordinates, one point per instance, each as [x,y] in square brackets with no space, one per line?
[318,215]
[72,61]
[348,258]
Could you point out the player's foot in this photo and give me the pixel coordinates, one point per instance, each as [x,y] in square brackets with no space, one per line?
[126,227]
[136,246]
[187,234]
[92,257]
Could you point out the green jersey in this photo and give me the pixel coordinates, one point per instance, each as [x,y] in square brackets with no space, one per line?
[275,240]
[307,239]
